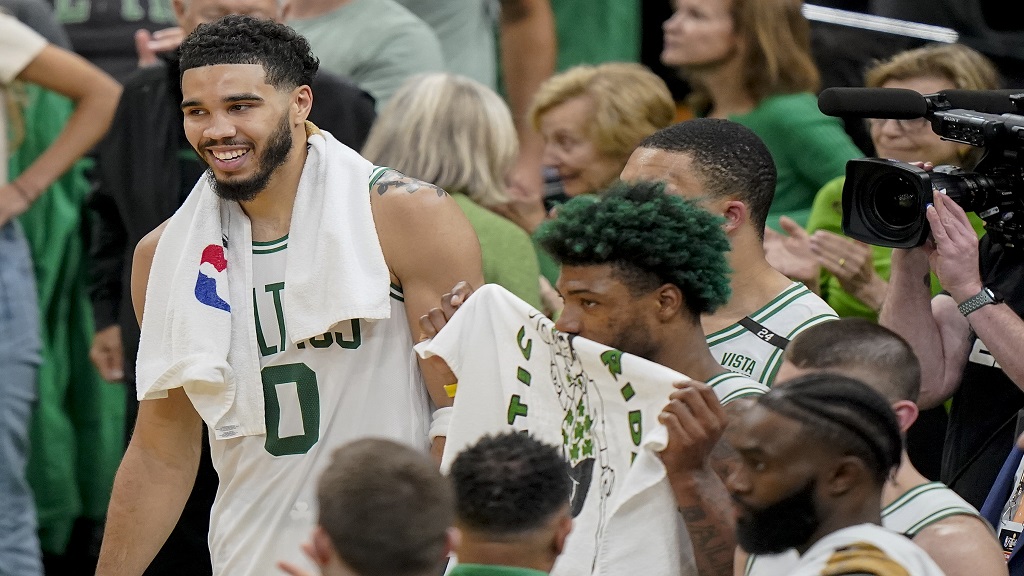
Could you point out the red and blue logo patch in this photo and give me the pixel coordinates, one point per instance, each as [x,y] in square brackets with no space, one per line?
[212,283]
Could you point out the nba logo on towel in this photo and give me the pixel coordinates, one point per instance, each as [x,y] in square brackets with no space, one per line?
[213,278]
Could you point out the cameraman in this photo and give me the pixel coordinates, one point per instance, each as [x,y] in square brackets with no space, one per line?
[972,353]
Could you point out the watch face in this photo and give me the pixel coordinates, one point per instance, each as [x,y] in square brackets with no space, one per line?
[992,296]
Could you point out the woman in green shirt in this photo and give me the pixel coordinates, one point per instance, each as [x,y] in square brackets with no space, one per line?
[458,134]
[750,61]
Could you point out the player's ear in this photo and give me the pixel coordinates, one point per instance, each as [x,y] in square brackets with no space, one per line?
[735,214]
[844,475]
[906,413]
[301,103]
[670,301]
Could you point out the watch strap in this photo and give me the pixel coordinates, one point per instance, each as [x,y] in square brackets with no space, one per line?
[985,296]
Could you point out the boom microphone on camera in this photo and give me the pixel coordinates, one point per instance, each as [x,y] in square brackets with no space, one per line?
[898,103]
[904,104]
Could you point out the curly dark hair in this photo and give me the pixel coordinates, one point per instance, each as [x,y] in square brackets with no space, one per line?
[729,160]
[509,483]
[285,55]
[650,237]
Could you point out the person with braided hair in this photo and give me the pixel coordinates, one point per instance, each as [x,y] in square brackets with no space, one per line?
[813,458]
[937,519]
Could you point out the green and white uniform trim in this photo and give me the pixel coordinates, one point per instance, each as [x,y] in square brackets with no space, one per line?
[729,386]
[271,246]
[378,171]
[923,506]
[397,294]
[737,348]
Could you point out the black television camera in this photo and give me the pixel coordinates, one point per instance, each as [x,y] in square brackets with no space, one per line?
[884,201]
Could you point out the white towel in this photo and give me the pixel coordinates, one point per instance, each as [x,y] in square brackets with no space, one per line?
[199,333]
[662,544]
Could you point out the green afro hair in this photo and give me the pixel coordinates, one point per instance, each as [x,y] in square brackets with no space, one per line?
[639,228]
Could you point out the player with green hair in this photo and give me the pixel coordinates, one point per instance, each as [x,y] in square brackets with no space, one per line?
[650,238]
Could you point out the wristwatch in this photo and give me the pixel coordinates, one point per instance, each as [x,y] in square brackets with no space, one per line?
[986,296]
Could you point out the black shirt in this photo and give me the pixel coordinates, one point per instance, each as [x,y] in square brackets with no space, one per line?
[983,416]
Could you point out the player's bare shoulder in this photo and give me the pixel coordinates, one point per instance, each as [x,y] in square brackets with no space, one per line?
[963,545]
[408,207]
[419,225]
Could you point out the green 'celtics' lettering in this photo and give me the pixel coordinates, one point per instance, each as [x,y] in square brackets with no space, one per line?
[324,341]
[635,427]
[308,396]
[350,341]
[276,289]
[266,350]
[528,347]
[260,339]
[524,376]
[613,360]
[349,338]
[516,409]
[628,392]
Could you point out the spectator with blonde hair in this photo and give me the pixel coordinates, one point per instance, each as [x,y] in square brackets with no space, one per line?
[458,134]
[750,61]
[591,119]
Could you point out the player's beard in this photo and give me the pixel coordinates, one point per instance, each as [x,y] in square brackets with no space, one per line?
[786,524]
[279,145]
[635,338]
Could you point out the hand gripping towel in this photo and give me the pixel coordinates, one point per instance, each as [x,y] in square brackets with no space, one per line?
[198,330]
[516,372]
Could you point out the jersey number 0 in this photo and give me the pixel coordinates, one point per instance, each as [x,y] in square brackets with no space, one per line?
[295,386]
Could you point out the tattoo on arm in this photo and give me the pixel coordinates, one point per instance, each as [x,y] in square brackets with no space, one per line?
[713,553]
[928,280]
[396,180]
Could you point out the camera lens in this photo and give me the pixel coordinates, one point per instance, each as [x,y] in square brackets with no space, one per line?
[895,201]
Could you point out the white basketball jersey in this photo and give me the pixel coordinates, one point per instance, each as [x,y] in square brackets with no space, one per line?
[753,346]
[360,379]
